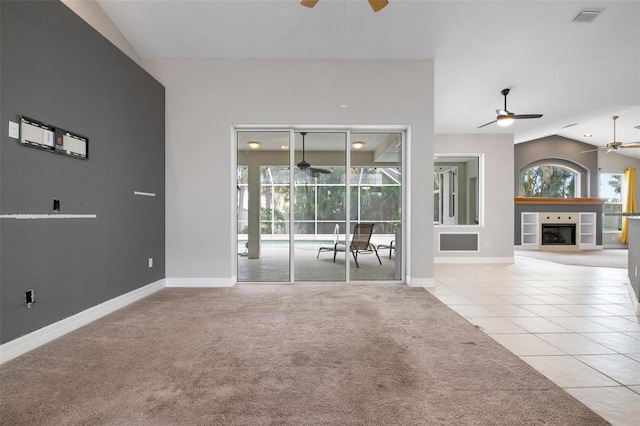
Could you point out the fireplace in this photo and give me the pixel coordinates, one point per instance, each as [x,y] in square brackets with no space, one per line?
[559,234]
[568,224]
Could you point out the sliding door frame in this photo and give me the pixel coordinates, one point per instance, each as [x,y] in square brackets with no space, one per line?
[347,130]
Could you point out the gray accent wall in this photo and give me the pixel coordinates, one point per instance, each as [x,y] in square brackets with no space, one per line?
[56,69]
[564,152]
[561,151]
[555,208]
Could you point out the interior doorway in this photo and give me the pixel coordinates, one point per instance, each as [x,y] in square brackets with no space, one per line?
[300,195]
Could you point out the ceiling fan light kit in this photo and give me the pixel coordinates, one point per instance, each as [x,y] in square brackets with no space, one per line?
[505,117]
[505,120]
[376,5]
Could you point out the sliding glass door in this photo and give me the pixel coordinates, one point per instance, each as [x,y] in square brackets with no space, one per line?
[263,207]
[375,188]
[319,206]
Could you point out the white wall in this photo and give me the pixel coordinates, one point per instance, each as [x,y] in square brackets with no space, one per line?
[94,15]
[497,205]
[205,98]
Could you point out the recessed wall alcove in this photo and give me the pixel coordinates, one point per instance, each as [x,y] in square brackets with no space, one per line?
[567,153]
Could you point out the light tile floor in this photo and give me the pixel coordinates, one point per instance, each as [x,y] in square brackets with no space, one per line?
[574,324]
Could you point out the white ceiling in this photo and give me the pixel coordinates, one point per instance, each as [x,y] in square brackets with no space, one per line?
[571,72]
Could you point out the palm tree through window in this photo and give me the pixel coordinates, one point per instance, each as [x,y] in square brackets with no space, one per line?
[549,181]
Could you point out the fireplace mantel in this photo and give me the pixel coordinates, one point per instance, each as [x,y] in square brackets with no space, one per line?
[559,201]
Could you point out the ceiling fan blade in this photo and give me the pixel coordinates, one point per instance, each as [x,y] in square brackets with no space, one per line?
[631,145]
[309,3]
[521,116]
[317,170]
[378,5]
[491,122]
[591,150]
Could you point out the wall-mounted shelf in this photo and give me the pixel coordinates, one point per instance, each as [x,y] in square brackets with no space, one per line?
[561,201]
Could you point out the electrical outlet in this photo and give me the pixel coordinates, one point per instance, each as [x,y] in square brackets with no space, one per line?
[29,298]
[151,262]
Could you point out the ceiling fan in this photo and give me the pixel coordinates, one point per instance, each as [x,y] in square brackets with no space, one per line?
[305,166]
[376,5]
[505,117]
[612,146]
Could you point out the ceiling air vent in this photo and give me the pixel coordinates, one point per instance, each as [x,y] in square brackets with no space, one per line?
[587,15]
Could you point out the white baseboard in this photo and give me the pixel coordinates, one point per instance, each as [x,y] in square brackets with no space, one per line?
[200,282]
[421,282]
[473,260]
[46,334]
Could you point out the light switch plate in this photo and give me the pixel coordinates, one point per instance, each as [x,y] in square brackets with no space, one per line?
[14,130]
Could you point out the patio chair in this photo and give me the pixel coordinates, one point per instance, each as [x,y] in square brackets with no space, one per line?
[390,246]
[336,236]
[360,243]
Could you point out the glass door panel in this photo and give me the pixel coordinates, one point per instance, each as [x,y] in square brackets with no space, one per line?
[292,206]
[376,198]
[263,218]
[320,206]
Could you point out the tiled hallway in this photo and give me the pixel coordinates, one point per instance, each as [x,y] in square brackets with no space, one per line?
[574,324]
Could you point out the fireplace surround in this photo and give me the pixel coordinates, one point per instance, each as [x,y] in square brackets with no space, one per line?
[558,230]
[583,214]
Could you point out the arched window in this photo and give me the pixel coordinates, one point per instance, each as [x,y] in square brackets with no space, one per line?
[549,180]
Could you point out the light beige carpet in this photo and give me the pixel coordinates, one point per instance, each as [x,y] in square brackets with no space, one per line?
[282,355]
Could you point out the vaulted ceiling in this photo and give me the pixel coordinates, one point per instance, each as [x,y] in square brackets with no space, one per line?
[577,74]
